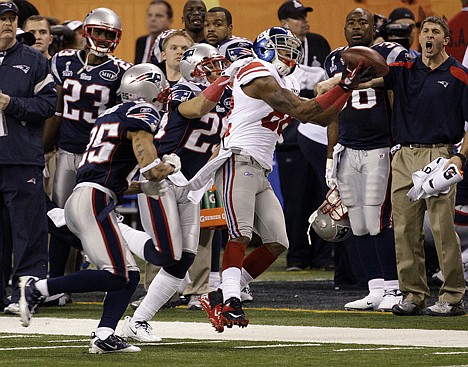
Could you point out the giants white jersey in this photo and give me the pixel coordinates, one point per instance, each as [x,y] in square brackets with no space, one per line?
[253,125]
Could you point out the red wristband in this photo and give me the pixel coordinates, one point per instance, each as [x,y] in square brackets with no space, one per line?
[331,97]
[340,102]
[214,92]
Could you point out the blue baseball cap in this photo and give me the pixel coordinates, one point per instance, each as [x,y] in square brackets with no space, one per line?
[5,7]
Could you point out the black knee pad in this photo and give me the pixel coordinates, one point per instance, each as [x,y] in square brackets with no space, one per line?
[180,269]
[155,257]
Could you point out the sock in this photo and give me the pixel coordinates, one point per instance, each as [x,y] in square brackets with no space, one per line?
[376,287]
[246,278]
[258,261]
[42,287]
[231,283]
[116,302]
[161,289]
[86,281]
[215,280]
[390,285]
[367,252]
[135,239]
[104,332]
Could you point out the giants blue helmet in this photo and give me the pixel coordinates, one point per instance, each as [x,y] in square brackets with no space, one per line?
[280,47]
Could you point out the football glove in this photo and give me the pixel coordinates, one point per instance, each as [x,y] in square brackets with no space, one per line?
[155,189]
[331,182]
[232,69]
[350,79]
[173,160]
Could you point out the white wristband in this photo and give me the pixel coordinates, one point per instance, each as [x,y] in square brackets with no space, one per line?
[151,165]
[58,114]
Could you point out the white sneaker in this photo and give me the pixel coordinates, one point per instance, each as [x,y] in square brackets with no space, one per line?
[194,303]
[390,299]
[12,309]
[368,303]
[246,294]
[139,330]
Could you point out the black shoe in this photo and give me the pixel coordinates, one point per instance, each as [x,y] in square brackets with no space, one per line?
[29,299]
[113,344]
[407,308]
[232,313]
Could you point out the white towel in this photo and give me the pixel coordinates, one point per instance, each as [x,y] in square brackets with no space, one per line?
[434,179]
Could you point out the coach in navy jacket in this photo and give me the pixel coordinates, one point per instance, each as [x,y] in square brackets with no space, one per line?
[27,98]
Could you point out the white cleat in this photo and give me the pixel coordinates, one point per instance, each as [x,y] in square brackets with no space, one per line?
[390,299]
[139,330]
[368,303]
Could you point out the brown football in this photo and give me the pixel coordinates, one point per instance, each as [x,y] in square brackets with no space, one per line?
[370,57]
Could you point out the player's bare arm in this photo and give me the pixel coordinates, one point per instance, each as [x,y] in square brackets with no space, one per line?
[51,126]
[145,153]
[196,107]
[283,100]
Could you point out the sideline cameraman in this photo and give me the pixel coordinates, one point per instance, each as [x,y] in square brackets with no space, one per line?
[400,27]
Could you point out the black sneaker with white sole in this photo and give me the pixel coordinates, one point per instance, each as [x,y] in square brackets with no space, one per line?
[30,298]
[113,344]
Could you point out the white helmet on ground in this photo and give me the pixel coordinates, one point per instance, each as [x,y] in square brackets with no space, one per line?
[104,20]
[201,60]
[145,82]
[330,221]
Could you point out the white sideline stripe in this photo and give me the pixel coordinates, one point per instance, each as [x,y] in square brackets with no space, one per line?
[204,331]
[51,347]
[278,346]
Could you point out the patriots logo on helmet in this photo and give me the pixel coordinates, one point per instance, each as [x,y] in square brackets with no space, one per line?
[238,53]
[149,76]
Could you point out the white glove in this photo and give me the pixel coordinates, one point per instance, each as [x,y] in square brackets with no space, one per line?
[173,160]
[331,182]
[155,189]
[232,69]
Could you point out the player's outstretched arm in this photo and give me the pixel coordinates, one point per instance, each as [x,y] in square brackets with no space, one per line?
[145,152]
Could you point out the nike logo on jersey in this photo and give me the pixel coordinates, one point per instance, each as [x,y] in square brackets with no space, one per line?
[23,68]
[444,83]
[32,180]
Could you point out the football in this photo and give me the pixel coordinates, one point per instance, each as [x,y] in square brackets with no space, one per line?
[370,57]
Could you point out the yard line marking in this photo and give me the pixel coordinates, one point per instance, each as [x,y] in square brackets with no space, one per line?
[17,336]
[51,347]
[278,346]
[372,349]
[450,353]
[162,344]
[68,340]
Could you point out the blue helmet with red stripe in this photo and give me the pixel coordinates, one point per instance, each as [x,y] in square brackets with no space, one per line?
[280,47]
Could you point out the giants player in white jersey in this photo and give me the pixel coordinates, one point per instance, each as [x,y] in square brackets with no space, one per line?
[263,104]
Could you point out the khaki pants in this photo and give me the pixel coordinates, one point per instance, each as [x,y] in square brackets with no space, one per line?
[199,272]
[408,219]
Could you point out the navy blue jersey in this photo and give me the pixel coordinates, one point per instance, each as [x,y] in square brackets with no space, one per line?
[87,93]
[109,157]
[365,119]
[192,140]
[430,105]
[25,76]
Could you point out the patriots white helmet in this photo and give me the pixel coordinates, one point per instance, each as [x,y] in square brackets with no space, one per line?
[200,61]
[145,82]
[330,221]
[280,47]
[236,48]
[106,22]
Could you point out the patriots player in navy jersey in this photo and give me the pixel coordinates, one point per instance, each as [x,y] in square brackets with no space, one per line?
[121,138]
[361,140]
[194,127]
[88,83]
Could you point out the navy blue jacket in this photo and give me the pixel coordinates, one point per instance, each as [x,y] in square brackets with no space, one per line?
[25,76]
